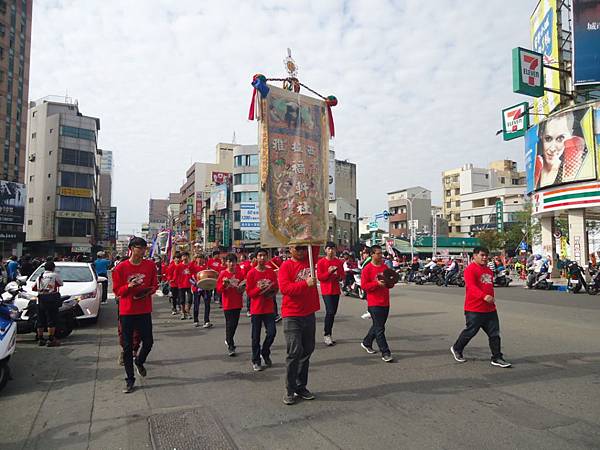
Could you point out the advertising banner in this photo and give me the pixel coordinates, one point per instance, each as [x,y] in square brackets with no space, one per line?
[563,151]
[294,146]
[12,236]
[586,42]
[544,40]
[515,121]
[226,231]
[199,209]
[212,228]
[221,178]
[12,202]
[75,192]
[249,217]
[331,175]
[218,197]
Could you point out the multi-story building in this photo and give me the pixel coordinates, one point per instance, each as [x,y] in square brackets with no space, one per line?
[478,209]
[468,179]
[438,221]
[406,205]
[63,165]
[343,228]
[245,195]
[15,44]
[106,212]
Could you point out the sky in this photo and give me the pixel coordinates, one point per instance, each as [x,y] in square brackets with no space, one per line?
[420,84]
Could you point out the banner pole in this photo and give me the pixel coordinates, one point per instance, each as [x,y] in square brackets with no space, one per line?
[310,261]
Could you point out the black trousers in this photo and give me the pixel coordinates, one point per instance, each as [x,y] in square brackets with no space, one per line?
[257,321]
[331,307]
[197,297]
[174,297]
[104,287]
[232,317]
[379,315]
[142,323]
[299,335]
[185,296]
[474,321]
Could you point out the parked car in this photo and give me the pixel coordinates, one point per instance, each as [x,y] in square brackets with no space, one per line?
[80,283]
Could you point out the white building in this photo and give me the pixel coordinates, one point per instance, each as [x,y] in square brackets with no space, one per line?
[478,209]
[245,190]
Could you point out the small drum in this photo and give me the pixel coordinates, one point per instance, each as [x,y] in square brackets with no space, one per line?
[207,279]
[390,277]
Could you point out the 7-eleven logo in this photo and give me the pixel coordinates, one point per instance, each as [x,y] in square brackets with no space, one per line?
[530,69]
[513,121]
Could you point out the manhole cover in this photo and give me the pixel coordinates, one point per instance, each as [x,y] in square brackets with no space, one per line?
[193,429]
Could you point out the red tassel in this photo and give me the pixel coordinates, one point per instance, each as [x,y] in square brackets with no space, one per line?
[251,112]
[331,126]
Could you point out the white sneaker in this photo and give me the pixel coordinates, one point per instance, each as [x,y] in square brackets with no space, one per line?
[207,325]
[366,315]
[173,313]
[196,324]
[328,341]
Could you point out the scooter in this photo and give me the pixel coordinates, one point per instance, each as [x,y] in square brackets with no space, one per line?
[28,310]
[457,279]
[540,280]
[8,338]
[433,276]
[576,279]
[355,290]
[502,278]
[594,285]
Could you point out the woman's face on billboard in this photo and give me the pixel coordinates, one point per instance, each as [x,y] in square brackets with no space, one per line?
[556,132]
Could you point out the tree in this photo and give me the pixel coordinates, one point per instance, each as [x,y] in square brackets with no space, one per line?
[491,239]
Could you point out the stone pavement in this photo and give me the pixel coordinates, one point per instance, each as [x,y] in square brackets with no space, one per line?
[197,397]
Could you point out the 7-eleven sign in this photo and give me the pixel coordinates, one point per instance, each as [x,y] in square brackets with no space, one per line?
[528,72]
[515,121]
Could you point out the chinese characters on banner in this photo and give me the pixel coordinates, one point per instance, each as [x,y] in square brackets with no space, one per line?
[199,209]
[294,146]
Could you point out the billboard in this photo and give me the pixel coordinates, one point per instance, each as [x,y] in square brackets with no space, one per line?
[544,39]
[515,121]
[12,202]
[249,217]
[218,197]
[586,42]
[221,177]
[561,150]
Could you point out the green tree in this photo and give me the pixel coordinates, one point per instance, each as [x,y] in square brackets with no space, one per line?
[491,239]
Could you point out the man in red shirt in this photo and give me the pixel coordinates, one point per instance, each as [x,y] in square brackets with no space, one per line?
[173,282]
[261,287]
[330,271]
[215,264]
[298,307]
[480,309]
[230,285]
[378,301]
[134,282]
[184,285]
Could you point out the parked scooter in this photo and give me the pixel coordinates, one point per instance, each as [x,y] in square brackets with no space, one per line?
[502,278]
[594,284]
[434,275]
[8,338]
[576,280]
[456,279]
[355,289]
[539,280]
[28,310]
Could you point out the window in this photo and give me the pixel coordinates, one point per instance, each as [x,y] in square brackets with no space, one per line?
[457,203]
[237,161]
[487,175]
[347,216]
[448,204]
[502,180]
[78,133]
[478,219]
[253,160]
[237,235]
[245,197]
[30,199]
[514,182]
[236,216]
[457,217]
[77,157]
[33,135]
[76,180]
[74,227]
[448,191]
[245,178]
[68,203]
[456,191]
[30,222]
[450,229]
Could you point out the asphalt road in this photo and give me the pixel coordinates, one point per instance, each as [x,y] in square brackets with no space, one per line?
[195,396]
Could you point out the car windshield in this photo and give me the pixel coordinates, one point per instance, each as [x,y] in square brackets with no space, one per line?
[69,274]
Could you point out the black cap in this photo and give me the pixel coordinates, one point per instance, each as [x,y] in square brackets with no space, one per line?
[330,244]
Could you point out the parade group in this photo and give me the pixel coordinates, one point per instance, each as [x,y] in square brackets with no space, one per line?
[259,278]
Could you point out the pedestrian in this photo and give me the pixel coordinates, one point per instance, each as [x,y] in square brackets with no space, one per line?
[378,301]
[102,264]
[134,282]
[172,279]
[480,309]
[261,287]
[230,285]
[197,266]
[49,301]
[330,271]
[12,268]
[215,263]
[298,307]
[27,266]
[184,285]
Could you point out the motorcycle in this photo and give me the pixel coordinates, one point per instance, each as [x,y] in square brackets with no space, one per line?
[434,275]
[594,285]
[456,279]
[355,290]
[27,307]
[539,280]
[8,338]
[502,278]
[576,280]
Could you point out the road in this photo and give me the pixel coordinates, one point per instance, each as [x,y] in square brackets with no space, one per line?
[195,396]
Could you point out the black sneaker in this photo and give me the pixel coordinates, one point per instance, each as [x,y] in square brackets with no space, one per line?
[457,356]
[267,361]
[129,387]
[277,318]
[305,394]
[257,367]
[500,362]
[41,342]
[231,351]
[289,399]
[387,358]
[141,370]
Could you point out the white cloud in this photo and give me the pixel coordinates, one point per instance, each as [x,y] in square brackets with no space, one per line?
[420,84]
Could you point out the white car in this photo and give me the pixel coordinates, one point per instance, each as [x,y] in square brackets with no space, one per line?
[80,282]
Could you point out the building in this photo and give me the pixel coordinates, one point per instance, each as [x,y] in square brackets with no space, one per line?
[245,196]
[15,44]
[406,205]
[479,210]
[468,179]
[122,244]
[439,222]
[106,212]
[343,227]
[63,166]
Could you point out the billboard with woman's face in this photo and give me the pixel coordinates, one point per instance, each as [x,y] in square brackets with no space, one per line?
[561,150]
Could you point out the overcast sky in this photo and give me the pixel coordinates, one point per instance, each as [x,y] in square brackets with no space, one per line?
[420,83]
